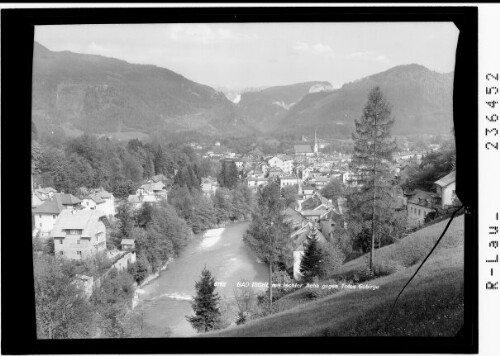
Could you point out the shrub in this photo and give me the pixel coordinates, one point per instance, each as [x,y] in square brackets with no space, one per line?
[385,268]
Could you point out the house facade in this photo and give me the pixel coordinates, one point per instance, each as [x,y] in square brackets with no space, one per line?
[445,188]
[158,190]
[79,234]
[45,215]
[275,172]
[419,204]
[283,162]
[209,186]
[255,183]
[288,180]
[98,199]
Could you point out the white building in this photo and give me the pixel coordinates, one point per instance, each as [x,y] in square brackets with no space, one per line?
[41,195]
[100,200]
[445,188]
[285,163]
[209,186]
[46,214]
[79,234]
[288,180]
[152,191]
[255,183]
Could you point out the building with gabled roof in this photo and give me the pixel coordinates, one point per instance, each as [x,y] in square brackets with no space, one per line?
[46,214]
[127,244]
[445,188]
[41,195]
[294,219]
[316,202]
[99,199]
[69,201]
[300,240]
[320,182]
[419,204]
[209,186]
[315,215]
[275,172]
[79,234]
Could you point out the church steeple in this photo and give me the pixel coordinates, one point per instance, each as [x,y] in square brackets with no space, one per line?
[315,143]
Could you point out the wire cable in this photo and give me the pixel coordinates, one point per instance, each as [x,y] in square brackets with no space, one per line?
[425,259]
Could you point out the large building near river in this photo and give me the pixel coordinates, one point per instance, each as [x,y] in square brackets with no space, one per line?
[79,234]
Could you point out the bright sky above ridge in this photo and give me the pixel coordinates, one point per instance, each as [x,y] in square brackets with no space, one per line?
[238,56]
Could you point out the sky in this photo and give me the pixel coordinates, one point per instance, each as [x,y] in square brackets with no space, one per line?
[246,55]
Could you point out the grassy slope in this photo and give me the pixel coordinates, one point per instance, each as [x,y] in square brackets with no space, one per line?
[432,305]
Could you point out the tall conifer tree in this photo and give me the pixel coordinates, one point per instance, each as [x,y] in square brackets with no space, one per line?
[310,265]
[371,205]
[206,304]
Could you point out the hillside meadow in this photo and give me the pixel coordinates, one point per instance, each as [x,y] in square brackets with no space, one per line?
[432,305]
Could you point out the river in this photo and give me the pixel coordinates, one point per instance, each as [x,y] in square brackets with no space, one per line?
[167,300]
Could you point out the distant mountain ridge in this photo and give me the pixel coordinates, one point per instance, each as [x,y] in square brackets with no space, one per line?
[421,101]
[260,107]
[99,94]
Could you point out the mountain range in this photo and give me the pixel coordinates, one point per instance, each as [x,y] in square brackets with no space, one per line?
[421,101]
[101,95]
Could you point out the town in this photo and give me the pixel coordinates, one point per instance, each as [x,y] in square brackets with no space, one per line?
[79,226]
[207,180]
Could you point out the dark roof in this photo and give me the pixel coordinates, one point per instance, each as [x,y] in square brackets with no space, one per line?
[305,235]
[302,149]
[53,206]
[67,199]
[293,217]
[311,203]
[422,198]
[96,198]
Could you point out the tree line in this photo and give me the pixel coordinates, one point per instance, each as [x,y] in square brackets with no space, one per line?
[64,311]
[92,162]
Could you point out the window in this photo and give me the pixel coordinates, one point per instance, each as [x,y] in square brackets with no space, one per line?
[79,253]
[54,216]
[60,242]
[40,224]
[61,253]
[40,216]
[78,241]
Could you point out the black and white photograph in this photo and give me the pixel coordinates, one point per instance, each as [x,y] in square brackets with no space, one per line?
[248,179]
[199,174]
